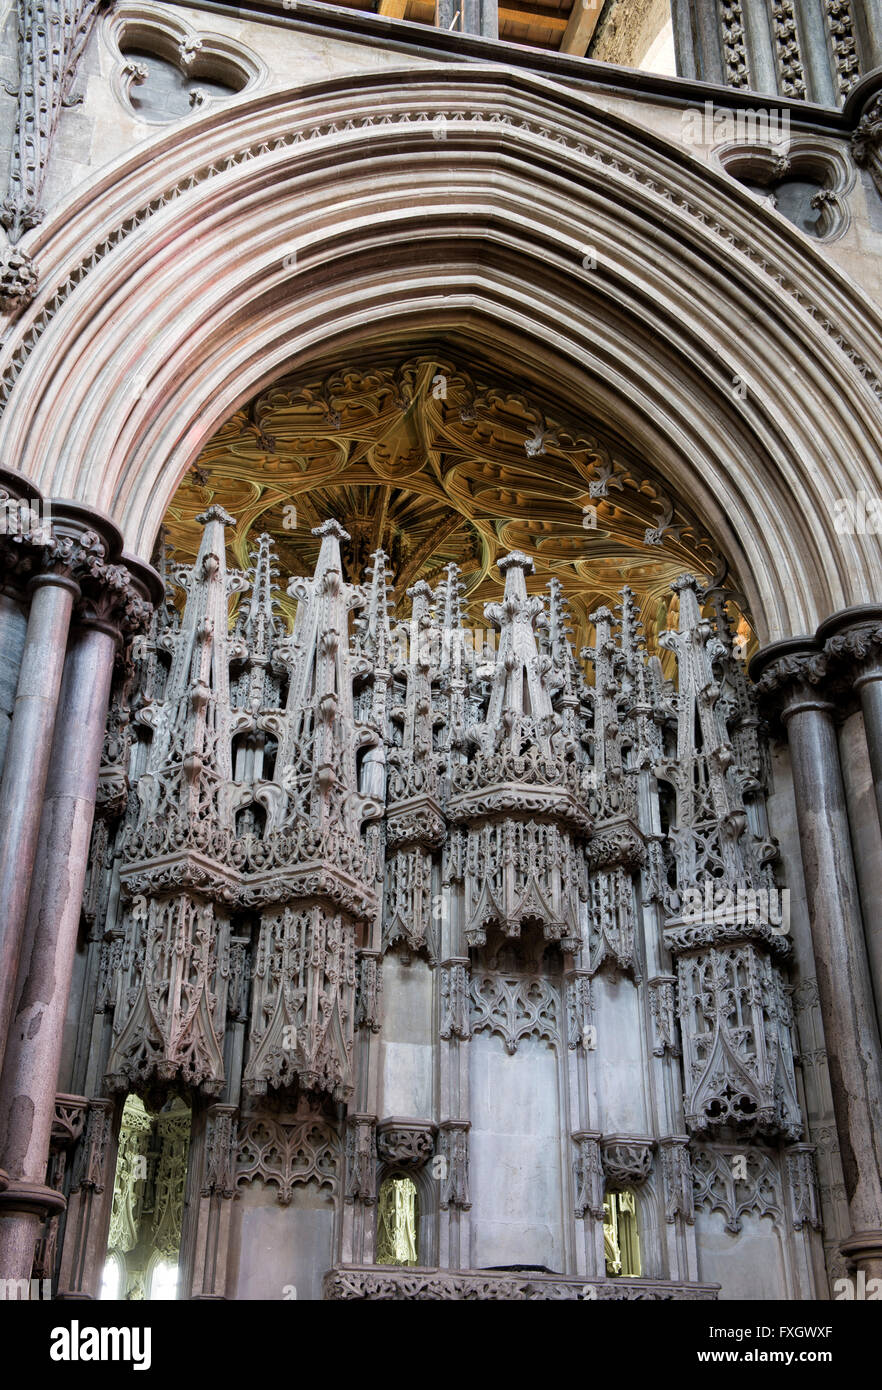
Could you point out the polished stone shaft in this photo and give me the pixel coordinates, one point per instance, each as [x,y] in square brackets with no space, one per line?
[27,1091]
[25,768]
[850,1024]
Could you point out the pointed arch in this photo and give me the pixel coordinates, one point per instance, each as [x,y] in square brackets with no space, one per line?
[195,270]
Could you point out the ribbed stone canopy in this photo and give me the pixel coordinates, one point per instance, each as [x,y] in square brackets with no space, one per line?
[437,460]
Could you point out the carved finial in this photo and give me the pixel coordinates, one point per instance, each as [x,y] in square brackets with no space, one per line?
[373,632]
[600,615]
[257,624]
[420,590]
[685,581]
[515,559]
[331,528]
[216,513]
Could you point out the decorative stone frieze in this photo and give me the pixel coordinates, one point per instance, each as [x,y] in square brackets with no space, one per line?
[366,1283]
[840,24]
[736,1181]
[787,53]
[734,44]
[515,1008]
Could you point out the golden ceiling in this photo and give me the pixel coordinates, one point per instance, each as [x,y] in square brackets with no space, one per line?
[433,463]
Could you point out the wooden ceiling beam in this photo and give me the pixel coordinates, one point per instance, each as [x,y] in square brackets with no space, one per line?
[393,9]
[533,15]
[580,29]
[416,561]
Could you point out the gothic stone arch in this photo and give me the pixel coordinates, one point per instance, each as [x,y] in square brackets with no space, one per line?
[616,271]
[175,287]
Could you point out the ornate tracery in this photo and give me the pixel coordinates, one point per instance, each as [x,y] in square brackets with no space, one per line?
[306,801]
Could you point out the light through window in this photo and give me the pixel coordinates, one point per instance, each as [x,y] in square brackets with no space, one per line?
[398,1223]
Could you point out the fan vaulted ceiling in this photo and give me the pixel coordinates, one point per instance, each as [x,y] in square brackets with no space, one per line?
[434,462]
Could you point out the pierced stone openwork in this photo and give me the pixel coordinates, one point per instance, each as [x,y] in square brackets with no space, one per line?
[306,800]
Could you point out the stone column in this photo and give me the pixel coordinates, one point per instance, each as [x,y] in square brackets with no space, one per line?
[214,1212]
[69,548]
[22,532]
[852,641]
[795,672]
[868,22]
[115,598]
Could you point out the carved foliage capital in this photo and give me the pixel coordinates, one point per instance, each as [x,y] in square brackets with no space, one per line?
[405,1142]
[626,1162]
[110,596]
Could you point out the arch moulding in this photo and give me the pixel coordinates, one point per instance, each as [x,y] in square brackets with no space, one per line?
[614,271]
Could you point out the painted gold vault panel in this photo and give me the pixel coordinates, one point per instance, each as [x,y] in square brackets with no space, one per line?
[435,463]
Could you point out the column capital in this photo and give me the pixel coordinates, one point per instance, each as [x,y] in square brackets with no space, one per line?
[852,643]
[74,546]
[24,534]
[80,541]
[790,676]
[864,1246]
[802,673]
[119,598]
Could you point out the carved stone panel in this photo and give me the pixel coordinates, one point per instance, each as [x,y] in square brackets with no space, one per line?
[405,1143]
[285,1153]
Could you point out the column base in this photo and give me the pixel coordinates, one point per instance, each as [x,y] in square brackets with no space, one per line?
[864,1248]
[32,1197]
